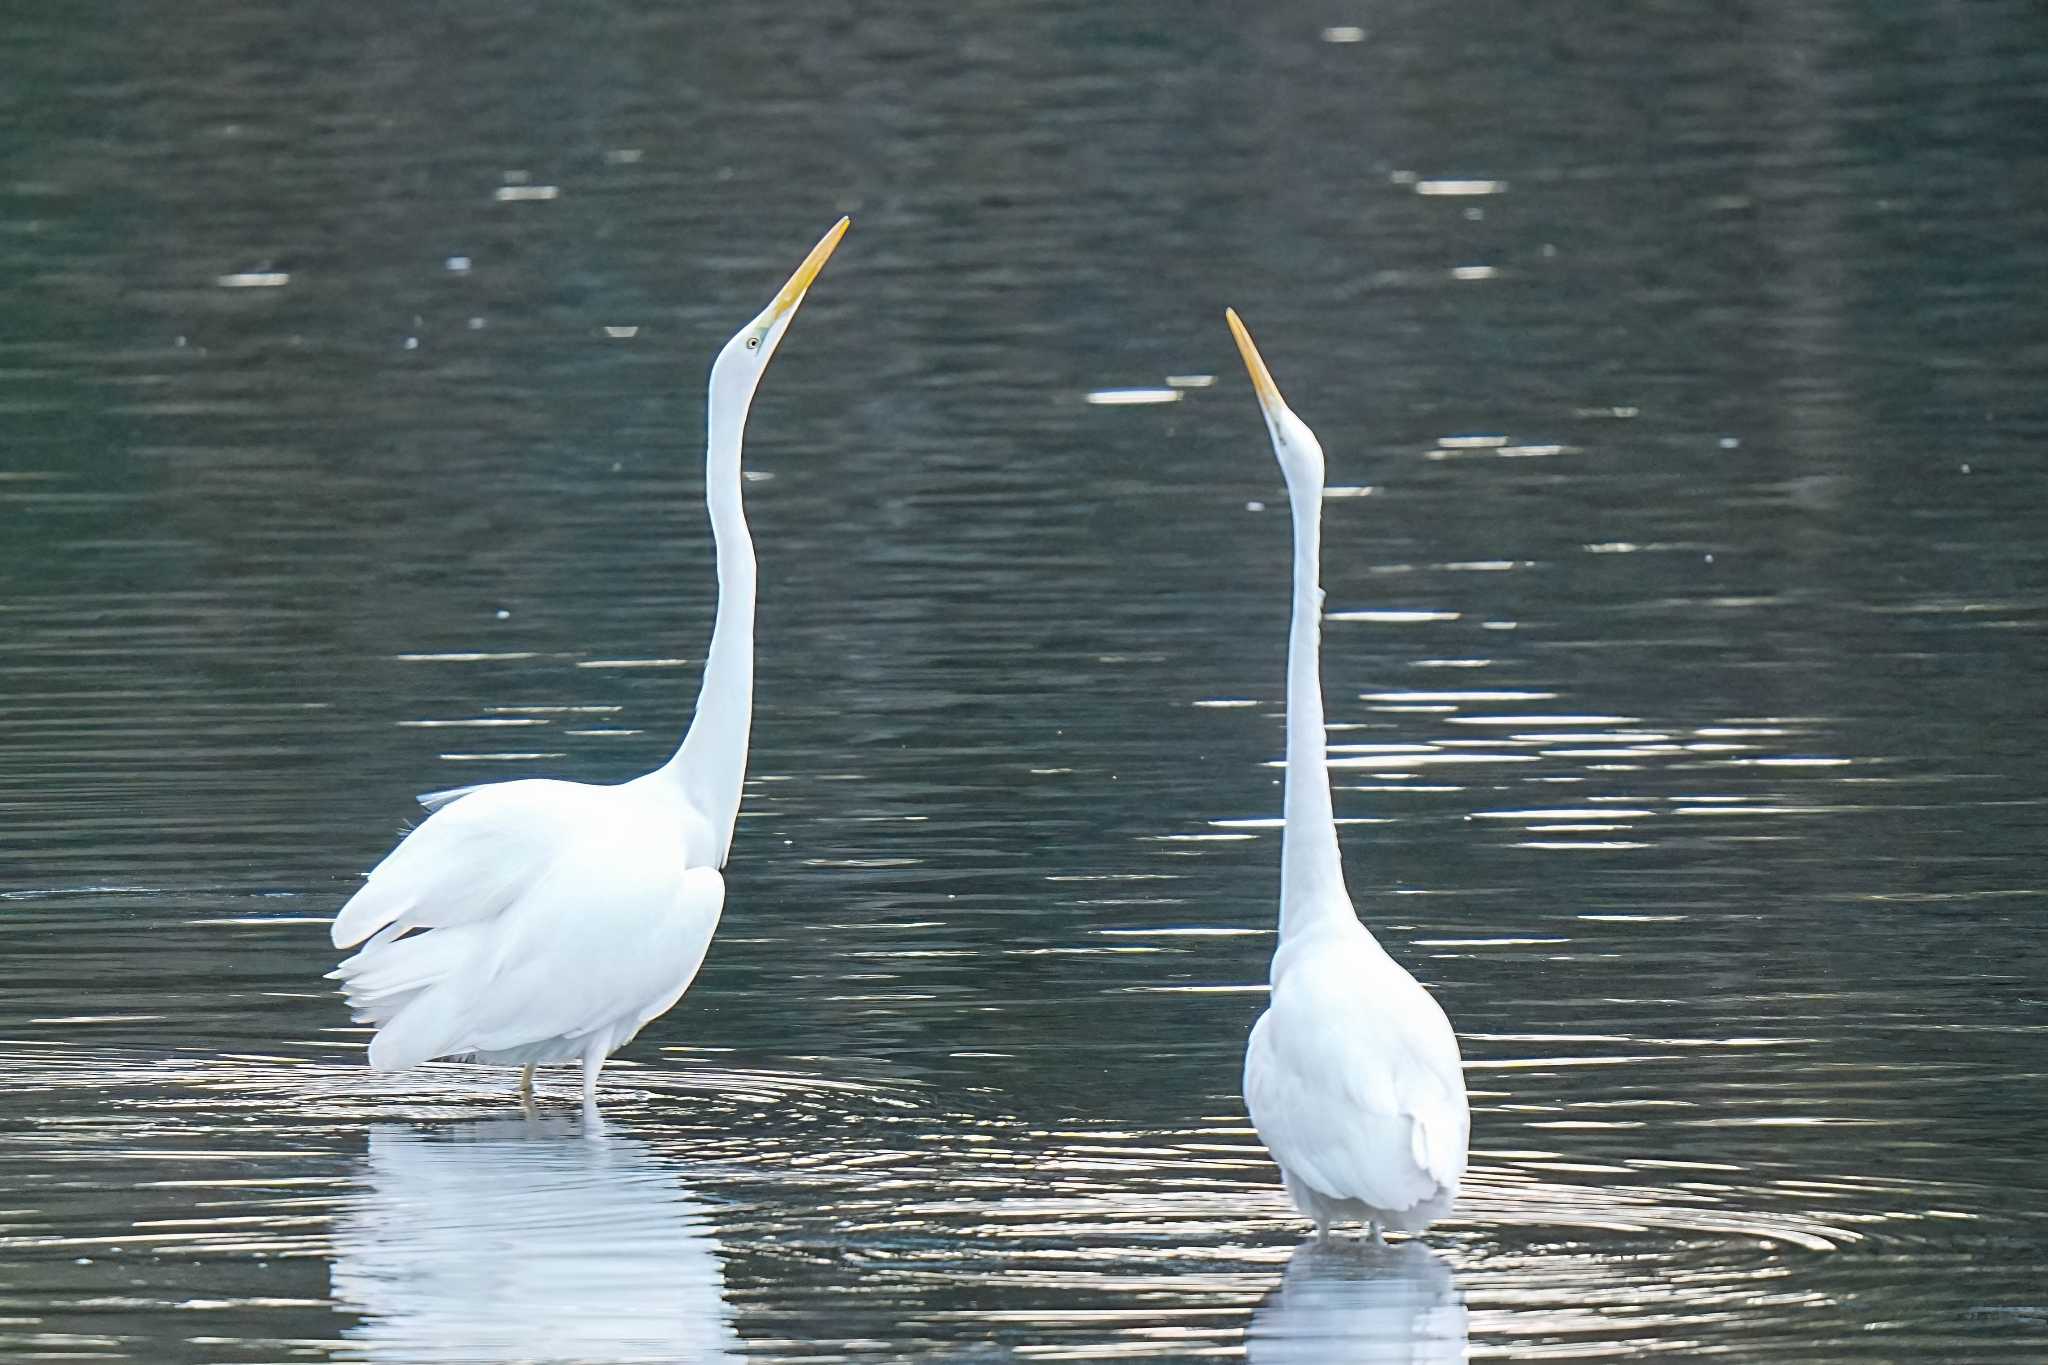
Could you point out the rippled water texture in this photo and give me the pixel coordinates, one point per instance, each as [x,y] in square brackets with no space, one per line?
[1680,373]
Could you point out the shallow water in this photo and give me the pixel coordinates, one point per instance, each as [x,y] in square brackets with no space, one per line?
[1679,379]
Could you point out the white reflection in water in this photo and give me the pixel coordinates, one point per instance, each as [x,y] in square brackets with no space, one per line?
[525,1240]
[1346,1300]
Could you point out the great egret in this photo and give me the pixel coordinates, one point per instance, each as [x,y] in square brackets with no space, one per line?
[1352,1074]
[558,918]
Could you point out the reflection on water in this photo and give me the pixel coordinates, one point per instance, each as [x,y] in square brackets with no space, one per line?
[1356,1300]
[527,1239]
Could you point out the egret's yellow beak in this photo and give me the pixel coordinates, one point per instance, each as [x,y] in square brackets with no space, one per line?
[793,293]
[1262,378]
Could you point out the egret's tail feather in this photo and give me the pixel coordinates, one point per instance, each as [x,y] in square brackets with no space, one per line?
[403,986]
[389,966]
[430,1025]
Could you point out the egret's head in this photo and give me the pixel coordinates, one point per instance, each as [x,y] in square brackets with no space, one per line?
[740,364]
[1299,453]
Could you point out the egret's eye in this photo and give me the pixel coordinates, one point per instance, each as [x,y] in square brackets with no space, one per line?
[753,343]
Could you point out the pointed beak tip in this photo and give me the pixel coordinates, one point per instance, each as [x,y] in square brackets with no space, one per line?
[1262,379]
[792,293]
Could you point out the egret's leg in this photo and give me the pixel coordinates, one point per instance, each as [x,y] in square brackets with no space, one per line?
[1322,1229]
[1372,1233]
[593,1062]
[593,1123]
[526,1104]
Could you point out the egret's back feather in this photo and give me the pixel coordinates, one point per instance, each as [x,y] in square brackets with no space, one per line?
[433,801]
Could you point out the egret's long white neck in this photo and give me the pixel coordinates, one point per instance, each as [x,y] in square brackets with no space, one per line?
[711,765]
[1311,870]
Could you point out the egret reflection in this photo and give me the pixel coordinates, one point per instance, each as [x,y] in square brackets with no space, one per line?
[1344,1300]
[527,1240]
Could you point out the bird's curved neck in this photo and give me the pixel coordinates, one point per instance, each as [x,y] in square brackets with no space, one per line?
[711,765]
[1311,870]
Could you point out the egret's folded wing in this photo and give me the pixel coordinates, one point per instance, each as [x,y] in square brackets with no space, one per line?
[609,938]
[699,903]
[1443,1133]
[469,860]
[1340,1133]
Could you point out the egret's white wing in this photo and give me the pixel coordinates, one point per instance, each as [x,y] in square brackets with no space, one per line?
[608,935]
[468,860]
[1353,1083]
[609,939]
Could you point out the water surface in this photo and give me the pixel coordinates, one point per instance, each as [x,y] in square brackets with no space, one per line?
[1679,376]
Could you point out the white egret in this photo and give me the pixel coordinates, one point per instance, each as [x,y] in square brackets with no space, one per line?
[555,919]
[1352,1074]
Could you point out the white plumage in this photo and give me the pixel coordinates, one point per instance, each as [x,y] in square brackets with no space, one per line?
[540,921]
[1352,1076]
[1353,1081]
[579,920]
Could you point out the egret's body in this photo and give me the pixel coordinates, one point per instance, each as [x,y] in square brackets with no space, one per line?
[1352,1075]
[542,921]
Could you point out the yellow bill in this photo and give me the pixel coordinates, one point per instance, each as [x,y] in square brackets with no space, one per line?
[1262,378]
[793,293]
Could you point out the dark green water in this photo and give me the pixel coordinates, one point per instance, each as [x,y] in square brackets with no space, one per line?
[1685,661]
